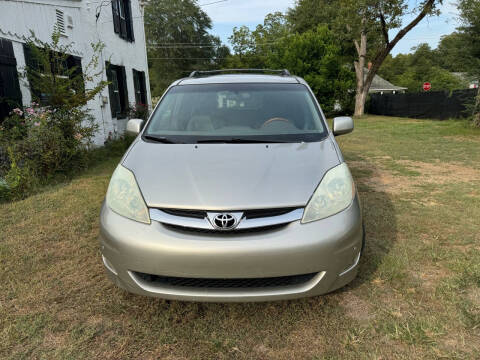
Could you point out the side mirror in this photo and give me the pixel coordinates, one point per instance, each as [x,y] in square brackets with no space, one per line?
[134,126]
[342,125]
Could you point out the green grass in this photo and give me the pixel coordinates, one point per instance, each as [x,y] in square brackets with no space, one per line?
[417,295]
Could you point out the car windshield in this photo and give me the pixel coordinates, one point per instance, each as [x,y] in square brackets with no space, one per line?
[236,113]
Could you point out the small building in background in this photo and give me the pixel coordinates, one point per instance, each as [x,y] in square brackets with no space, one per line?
[382,86]
[116,23]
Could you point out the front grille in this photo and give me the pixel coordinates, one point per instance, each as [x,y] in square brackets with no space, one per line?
[261,213]
[197,214]
[249,214]
[253,220]
[242,283]
[256,230]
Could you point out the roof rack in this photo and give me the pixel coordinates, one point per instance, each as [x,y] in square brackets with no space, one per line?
[197,73]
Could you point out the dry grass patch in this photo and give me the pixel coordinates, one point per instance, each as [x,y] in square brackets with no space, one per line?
[384,179]
[356,308]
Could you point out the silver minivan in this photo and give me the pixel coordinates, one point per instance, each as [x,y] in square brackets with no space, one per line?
[234,190]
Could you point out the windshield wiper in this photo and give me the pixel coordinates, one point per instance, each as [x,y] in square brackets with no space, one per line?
[238,141]
[160,139]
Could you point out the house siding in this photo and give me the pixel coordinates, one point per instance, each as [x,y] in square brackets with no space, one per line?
[17,18]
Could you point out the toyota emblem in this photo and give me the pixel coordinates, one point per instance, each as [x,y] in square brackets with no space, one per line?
[224,221]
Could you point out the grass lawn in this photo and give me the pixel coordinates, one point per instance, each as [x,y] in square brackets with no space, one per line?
[417,295]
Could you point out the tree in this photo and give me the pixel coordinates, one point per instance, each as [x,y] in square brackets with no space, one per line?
[424,64]
[453,52]
[178,41]
[252,49]
[315,56]
[367,23]
[470,17]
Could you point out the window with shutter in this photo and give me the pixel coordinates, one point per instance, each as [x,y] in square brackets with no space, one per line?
[117,89]
[62,66]
[122,19]
[139,85]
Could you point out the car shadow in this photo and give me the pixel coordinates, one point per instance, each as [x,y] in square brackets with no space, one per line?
[379,218]
[252,325]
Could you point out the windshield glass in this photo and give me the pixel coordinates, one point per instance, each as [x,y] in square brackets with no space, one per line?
[237,112]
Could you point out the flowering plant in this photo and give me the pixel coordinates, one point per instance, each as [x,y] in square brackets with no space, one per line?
[138,111]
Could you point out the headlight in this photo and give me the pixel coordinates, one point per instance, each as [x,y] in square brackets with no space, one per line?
[334,194]
[124,197]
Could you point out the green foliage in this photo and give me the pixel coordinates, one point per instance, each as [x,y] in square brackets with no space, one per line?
[43,143]
[53,82]
[40,142]
[470,17]
[412,70]
[178,41]
[253,49]
[454,53]
[315,56]
[349,18]
[366,24]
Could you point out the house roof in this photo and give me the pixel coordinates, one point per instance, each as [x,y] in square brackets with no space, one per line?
[380,84]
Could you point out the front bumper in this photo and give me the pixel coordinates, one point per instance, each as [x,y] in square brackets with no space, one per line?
[330,248]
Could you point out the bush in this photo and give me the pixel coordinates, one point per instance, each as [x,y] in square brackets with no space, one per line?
[40,142]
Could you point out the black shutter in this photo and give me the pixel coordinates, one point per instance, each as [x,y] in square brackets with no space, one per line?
[136,86]
[116,16]
[123,91]
[129,19]
[75,63]
[143,88]
[113,84]
[140,88]
[34,68]
[10,95]
[29,58]
[123,21]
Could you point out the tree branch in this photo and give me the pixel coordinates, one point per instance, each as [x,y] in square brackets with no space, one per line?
[357,47]
[382,54]
[426,9]
[384,28]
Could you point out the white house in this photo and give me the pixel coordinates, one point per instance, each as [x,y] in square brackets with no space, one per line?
[116,23]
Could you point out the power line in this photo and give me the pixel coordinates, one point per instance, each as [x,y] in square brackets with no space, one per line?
[199,45]
[211,3]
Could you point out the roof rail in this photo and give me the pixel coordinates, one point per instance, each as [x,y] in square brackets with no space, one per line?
[197,73]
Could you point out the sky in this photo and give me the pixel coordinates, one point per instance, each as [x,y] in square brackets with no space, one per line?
[227,14]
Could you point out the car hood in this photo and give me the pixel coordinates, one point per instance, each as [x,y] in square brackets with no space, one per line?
[229,176]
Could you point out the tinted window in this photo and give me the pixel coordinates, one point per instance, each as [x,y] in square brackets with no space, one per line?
[284,112]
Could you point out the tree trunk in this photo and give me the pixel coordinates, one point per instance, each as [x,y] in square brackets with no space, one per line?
[361,95]
[364,82]
[360,99]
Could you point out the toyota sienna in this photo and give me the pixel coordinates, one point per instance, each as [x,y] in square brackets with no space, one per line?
[234,190]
